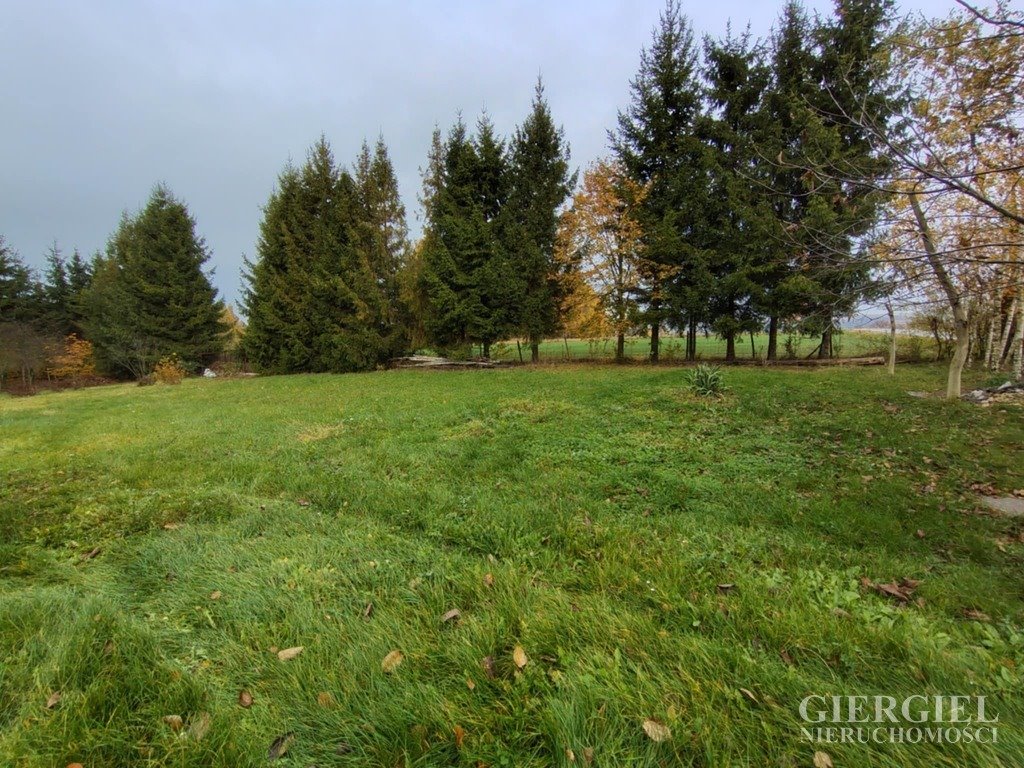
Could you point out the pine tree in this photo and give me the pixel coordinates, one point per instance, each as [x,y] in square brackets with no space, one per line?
[540,183]
[59,317]
[19,289]
[658,142]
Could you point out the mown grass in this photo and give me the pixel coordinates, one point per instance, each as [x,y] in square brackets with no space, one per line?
[606,504]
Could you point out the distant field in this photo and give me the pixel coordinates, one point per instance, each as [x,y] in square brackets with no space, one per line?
[654,555]
[846,344]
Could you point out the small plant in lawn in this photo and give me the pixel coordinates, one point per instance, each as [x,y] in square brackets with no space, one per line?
[706,380]
[169,370]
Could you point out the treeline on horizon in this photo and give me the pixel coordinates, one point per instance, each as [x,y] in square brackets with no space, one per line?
[705,217]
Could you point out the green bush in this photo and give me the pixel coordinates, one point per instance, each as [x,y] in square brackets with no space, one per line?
[706,380]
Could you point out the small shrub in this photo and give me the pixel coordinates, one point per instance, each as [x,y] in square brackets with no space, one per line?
[169,370]
[74,361]
[706,380]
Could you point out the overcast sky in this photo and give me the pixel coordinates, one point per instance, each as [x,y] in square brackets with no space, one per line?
[101,100]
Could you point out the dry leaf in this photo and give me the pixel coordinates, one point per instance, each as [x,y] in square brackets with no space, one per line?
[324,699]
[174,722]
[303,502]
[570,755]
[171,526]
[216,594]
[588,755]
[749,694]
[460,735]
[368,611]
[290,653]
[976,615]
[91,554]
[53,700]
[920,533]
[488,664]
[470,684]
[199,726]
[488,579]
[75,765]
[726,587]
[519,656]
[392,661]
[451,615]
[657,731]
[822,760]
[244,699]
[280,746]
[784,654]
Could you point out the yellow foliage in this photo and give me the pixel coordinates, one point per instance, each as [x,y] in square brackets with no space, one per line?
[169,370]
[75,361]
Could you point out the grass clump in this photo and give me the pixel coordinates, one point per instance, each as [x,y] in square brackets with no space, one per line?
[706,380]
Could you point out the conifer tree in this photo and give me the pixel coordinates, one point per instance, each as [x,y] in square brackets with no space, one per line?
[313,298]
[659,143]
[540,182]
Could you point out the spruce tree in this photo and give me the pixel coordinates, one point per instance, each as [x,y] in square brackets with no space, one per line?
[540,183]
[59,316]
[738,208]
[314,296]
[150,296]
[659,143]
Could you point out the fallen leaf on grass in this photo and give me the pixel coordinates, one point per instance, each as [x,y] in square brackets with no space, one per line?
[244,699]
[488,579]
[91,554]
[460,735]
[588,755]
[749,694]
[171,526]
[53,700]
[726,587]
[368,611]
[324,699]
[174,722]
[976,615]
[784,654]
[453,615]
[470,684]
[519,656]
[303,502]
[822,760]
[570,755]
[392,661]
[290,653]
[901,591]
[920,533]
[216,594]
[199,726]
[657,731]
[280,746]
[75,765]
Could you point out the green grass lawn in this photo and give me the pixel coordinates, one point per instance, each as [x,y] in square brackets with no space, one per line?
[586,514]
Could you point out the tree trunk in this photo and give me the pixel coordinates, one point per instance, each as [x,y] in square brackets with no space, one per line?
[990,345]
[1017,345]
[753,350]
[1005,345]
[691,340]
[534,351]
[892,338]
[825,349]
[519,348]
[956,366]
[773,338]
[487,350]
[565,340]
[655,332]
[730,347]
[620,348]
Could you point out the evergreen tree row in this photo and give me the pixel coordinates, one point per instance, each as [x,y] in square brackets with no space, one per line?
[741,233]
